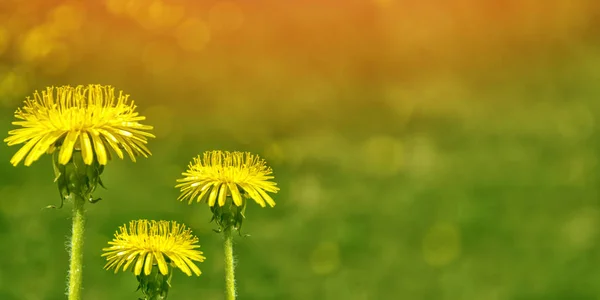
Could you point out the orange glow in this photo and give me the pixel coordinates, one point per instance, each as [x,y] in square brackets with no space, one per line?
[307,49]
[192,35]
[225,16]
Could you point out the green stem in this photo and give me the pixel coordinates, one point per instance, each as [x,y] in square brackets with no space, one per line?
[76,249]
[229,272]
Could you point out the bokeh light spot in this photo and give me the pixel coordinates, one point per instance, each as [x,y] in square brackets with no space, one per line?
[37,43]
[116,7]
[158,15]
[4,39]
[192,35]
[125,7]
[158,58]
[441,244]
[580,230]
[67,18]
[307,192]
[325,258]
[225,16]
[274,153]
[13,83]
[382,155]
[421,159]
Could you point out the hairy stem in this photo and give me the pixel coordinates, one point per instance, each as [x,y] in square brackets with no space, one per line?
[229,267]
[76,249]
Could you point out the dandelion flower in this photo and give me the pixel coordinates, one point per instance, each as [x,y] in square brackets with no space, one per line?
[146,243]
[220,174]
[90,119]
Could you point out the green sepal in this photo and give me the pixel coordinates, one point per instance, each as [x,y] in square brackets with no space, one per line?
[229,215]
[60,180]
[76,177]
[156,285]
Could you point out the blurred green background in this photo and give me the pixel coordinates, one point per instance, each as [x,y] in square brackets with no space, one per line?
[424,150]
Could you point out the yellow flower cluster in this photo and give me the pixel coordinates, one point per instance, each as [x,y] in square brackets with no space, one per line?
[219,174]
[144,243]
[84,126]
[90,119]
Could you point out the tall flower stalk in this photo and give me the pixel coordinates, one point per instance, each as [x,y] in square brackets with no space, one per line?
[226,181]
[80,126]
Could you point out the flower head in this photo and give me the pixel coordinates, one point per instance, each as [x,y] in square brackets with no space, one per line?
[220,174]
[86,118]
[147,243]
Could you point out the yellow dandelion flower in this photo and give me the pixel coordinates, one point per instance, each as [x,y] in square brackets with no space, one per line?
[148,243]
[85,118]
[220,174]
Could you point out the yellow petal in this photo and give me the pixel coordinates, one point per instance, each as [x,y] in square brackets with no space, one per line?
[130,259]
[180,264]
[205,190]
[126,147]
[99,149]
[111,140]
[148,265]
[235,194]
[162,264]
[42,146]
[66,149]
[213,194]
[136,133]
[23,151]
[120,262]
[191,191]
[254,194]
[51,149]
[222,194]
[269,186]
[139,149]
[192,266]
[185,193]
[110,263]
[86,148]
[266,197]
[196,254]
[21,135]
[140,263]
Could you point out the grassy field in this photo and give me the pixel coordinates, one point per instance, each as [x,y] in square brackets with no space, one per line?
[430,182]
